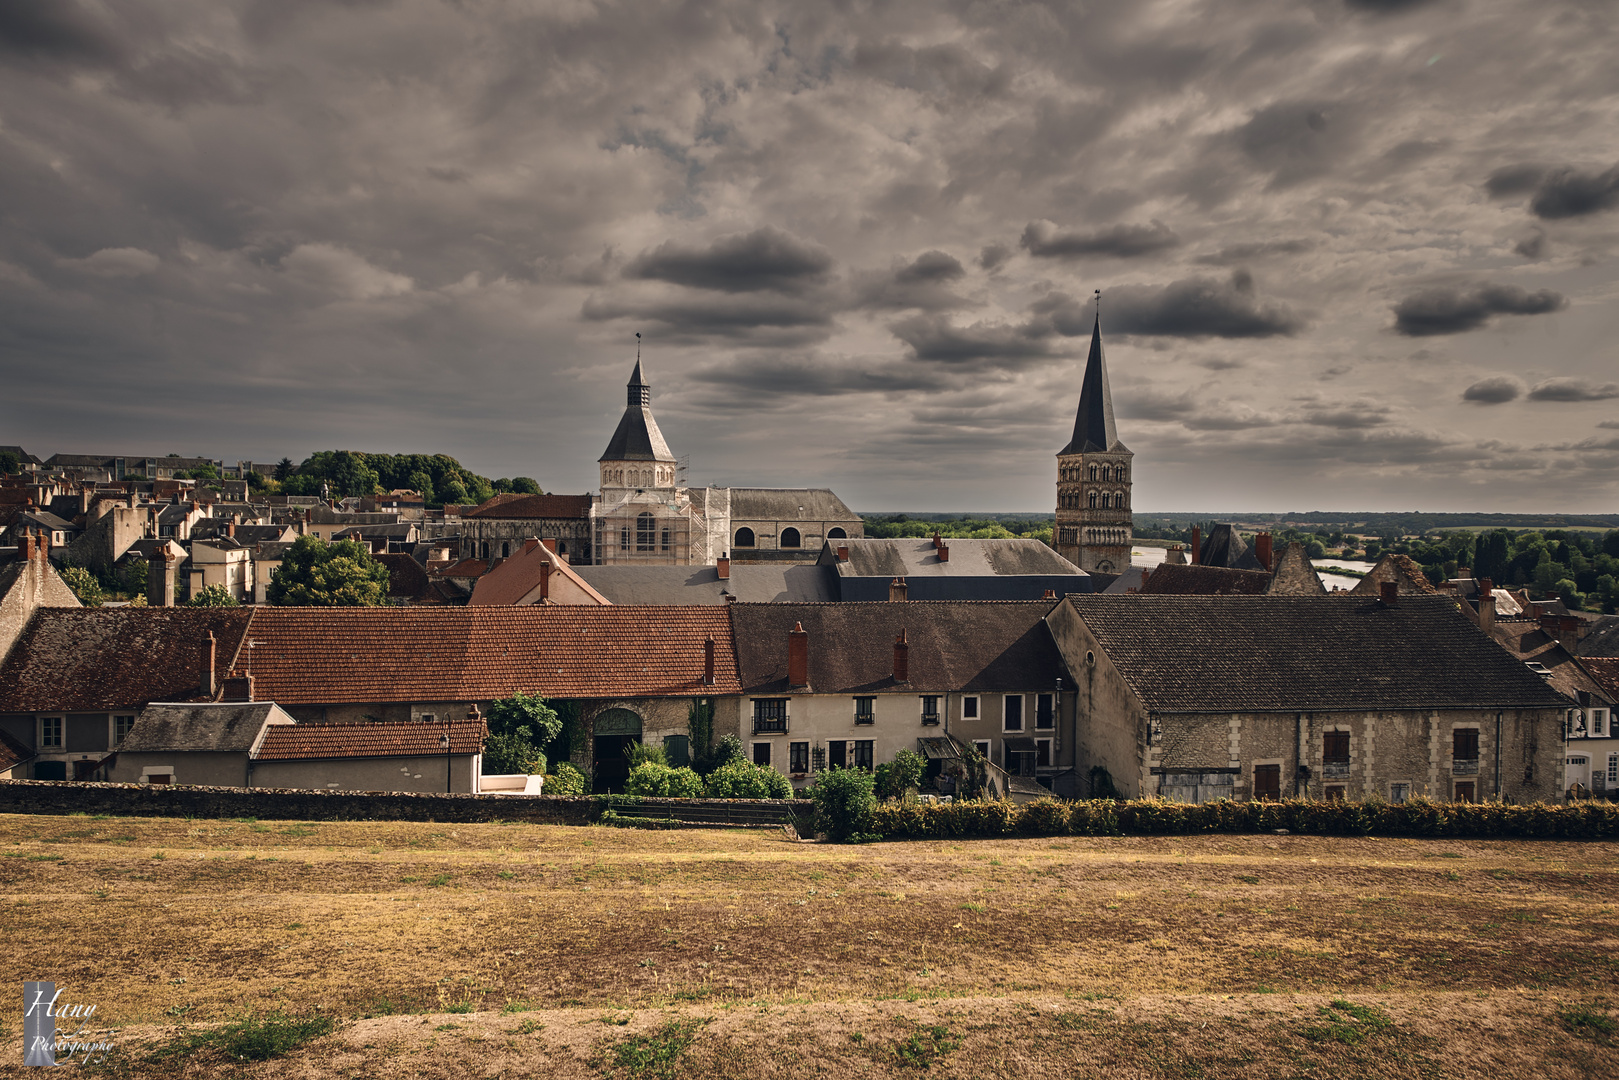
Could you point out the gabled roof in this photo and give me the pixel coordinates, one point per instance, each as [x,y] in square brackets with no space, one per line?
[515,578]
[13,752]
[1295,575]
[1172,579]
[1605,670]
[759,583]
[1234,654]
[637,437]
[95,659]
[220,728]
[45,519]
[914,557]
[400,738]
[407,578]
[1401,569]
[1224,546]
[1602,639]
[783,504]
[331,656]
[565,507]
[1528,642]
[1094,429]
[952,646]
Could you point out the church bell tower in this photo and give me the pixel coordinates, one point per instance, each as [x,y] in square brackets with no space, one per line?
[1093,527]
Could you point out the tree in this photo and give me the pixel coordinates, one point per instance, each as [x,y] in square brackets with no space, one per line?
[284,469]
[421,482]
[524,485]
[9,462]
[314,573]
[905,772]
[520,726]
[844,801]
[452,491]
[213,596]
[84,585]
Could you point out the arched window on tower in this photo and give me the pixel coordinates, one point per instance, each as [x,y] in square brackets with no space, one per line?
[835,533]
[744,538]
[1093,472]
[790,538]
[646,532]
[1093,500]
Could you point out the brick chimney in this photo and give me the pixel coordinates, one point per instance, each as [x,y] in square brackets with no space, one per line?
[902,659]
[1050,594]
[708,662]
[797,656]
[1197,546]
[545,582]
[1464,571]
[26,549]
[944,552]
[238,688]
[529,544]
[1262,551]
[898,590]
[1388,593]
[230,529]
[843,553]
[1568,632]
[550,543]
[206,683]
[722,567]
[1486,611]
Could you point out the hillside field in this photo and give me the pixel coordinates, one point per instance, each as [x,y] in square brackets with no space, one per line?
[523,950]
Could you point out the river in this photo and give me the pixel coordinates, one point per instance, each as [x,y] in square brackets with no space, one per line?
[1152,556]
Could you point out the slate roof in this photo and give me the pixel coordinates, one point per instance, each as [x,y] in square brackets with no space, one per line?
[210,727]
[45,519]
[567,507]
[906,557]
[758,583]
[953,646]
[1527,641]
[330,656]
[95,659]
[1224,546]
[637,437]
[403,738]
[1605,670]
[1182,580]
[1602,640]
[406,577]
[1094,429]
[781,504]
[13,752]
[1295,575]
[1230,654]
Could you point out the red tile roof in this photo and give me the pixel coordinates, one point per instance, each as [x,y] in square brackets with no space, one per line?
[330,656]
[516,577]
[112,658]
[407,738]
[1605,671]
[465,568]
[533,506]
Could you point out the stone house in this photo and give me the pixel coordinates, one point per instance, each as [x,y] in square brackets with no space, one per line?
[827,685]
[1343,696]
[536,574]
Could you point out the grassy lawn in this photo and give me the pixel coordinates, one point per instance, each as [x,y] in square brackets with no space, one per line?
[514,950]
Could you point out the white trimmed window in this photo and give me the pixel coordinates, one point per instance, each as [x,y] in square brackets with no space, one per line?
[969,708]
[50,732]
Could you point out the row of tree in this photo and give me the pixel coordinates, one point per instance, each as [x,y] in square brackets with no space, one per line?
[439,478]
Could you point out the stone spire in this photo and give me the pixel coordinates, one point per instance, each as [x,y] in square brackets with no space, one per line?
[1094,429]
[637,437]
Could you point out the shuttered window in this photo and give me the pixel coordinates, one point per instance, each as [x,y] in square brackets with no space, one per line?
[1267,781]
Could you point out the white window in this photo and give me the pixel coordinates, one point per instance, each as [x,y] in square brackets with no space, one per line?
[1578,760]
[1599,723]
[1013,712]
[50,732]
[1613,768]
[120,728]
[969,708]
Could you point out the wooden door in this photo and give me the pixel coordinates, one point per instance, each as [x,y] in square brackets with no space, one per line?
[1267,781]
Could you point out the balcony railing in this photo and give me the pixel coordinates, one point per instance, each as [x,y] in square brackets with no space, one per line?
[1464,767]
[1335,770]
[930,719]
[770,725]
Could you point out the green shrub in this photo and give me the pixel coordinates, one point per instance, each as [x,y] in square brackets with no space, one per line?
[844,802]
[745,780]
[727,750]
[653,780]
[644,754]
[84,585]
[507,754]
[901,775]
[565,780]
[212,596]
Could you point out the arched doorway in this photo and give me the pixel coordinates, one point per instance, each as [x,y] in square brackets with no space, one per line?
[613,733]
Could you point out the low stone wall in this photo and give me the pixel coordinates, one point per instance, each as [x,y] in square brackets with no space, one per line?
[291,804]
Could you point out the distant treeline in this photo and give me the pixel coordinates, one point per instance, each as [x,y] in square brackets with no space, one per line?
[439,478]
[959,526]
[1405,523]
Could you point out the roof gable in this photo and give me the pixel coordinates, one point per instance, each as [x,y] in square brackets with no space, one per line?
[219,728]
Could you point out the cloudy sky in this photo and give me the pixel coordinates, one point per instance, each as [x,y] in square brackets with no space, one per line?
[1353,253]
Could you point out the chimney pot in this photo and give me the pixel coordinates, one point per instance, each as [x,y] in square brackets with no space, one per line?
[944,552]
[902,659]
[843,553]
[898,590]
[1388,592]
[722,567]
[230,529]
[708,662]
[797,656]
[1050,594]
[1464,571]
[545,582]
[1262,551]
[1197,545]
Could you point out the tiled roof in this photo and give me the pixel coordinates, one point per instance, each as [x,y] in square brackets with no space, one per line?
[12,752]
[467,568]
[1605,671]
[1602,639]
[533,506]
[514,578]
[782,504]
[1402,569]
[1231,654]
[913,557]
[1295,575]
[1185,580]
[404,738]
[1224,546]
[110,658]
[1527,641]
[952,646]
[193,726]
[406,577]
[330,656]
[762,583]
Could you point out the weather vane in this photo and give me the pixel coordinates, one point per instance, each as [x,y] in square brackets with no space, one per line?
[638,346]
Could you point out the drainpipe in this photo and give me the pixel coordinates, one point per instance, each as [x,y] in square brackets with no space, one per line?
[1497,757]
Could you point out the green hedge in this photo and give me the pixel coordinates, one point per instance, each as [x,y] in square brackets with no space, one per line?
[1104,817]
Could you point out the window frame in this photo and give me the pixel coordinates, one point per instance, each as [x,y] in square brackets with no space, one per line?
[119,736]
[797,540]
[765,720]
[646,532]
[1045,709]
[47,725]
[762,749]
[969,707]
[865,710]
[1399,792]
[864,748]
[1599,723]
[798,758]
[930,717]
[1329,752]
[751,542]
[1459,736]
[1006,713]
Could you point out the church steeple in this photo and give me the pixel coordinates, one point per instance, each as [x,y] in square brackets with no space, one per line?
[1094,428]
[637,437]
[1094,525]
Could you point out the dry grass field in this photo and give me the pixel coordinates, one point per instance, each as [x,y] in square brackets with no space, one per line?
[523,950]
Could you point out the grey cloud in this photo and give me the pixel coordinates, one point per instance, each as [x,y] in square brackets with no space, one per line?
[1567,192]
[1197,307]
[1044,239]
[1386,7]
[918,284]
[745,318]
[993,257]
[933,337]
[116,262]
[766,258]
[937,70]
[1514,180]
[1609,424]
[776,376]
[1353,416]
[1451,309]
[1532,246]
[1496,390]
[1570,389]
[1297,141]
[1241,253]
[56,29]
[931,266]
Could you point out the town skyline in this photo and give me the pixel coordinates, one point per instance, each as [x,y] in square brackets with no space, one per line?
[1352,254]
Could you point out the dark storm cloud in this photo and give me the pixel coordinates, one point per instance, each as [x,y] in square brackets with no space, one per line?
[1568,192]
[945,71]
[1569,389]
[1192,307]
[921,284]
[1514,180]
[745,318]
[1247,252]
[933,337]
[1532,246]
[766,258]
[775,376]
[1453,309]
[931,267]
[57,29]
[1045,240]
[1298,141]
[1386,7]
[1496,390]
